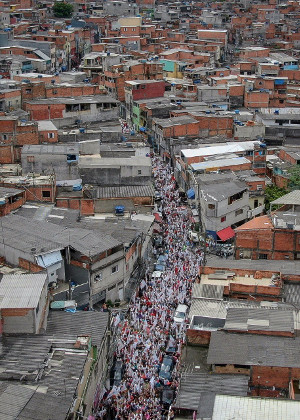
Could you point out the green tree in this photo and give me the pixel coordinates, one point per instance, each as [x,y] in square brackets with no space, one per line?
[294,177]
[62,9]
[272,193]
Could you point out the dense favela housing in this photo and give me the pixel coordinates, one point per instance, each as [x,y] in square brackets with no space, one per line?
[149,210]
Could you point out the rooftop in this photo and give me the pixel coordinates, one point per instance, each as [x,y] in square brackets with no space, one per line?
[216,308]
[51,149]
[228,407]
[292,198]
[197,391]
[253,350]
[101,162]
[229,147]
[216,163]
[260,222]
[38,237]
[78,100]
[8,192]
[125,191]
[21,290]
[259,320]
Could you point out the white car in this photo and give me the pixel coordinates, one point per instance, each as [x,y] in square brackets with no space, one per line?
[156,275]
[180,313]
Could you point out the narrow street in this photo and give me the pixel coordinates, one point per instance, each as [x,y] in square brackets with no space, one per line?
[149,348]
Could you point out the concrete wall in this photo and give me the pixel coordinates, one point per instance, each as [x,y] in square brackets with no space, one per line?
[86,116]
[47,163]
[139,204]
[25,321]
[212,218]
[116,175]
[22,323]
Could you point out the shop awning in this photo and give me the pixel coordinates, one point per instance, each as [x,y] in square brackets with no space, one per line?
[190,194]
[226,233]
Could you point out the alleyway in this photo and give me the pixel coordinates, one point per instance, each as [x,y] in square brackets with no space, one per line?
[149,331]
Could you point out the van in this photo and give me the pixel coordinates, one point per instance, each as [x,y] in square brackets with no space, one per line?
[180,313]
[193,236]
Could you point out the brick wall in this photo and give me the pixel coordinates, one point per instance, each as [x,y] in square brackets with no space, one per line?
[198,337]
[29,266]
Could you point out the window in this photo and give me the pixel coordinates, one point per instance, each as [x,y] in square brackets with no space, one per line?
[50,135]
[45,194]
[223,219]
[4,136]
[98,277]
[211,206]
[30,159]
[114,269]
[255,203]
[263,256]
[28,90]
[235,197]
[139,172]
[85,107]
[239,211]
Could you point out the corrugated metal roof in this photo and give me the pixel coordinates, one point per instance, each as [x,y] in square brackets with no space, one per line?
[13,398]
[45,406]
[292,294]
[38,237]
[291,198]
[21,290]
[125,191]
[253,350]
[214,308]
[243,408]
[52,393]
[216,163]
[70,325]
[259,319]
[229,147]
[213,291]
[8,192]
[197,390]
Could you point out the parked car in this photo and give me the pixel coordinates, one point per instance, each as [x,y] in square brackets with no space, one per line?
[157,241]
[167,397]
[160,264]
[117,372]
[180,313]
[166,368]
[157,196]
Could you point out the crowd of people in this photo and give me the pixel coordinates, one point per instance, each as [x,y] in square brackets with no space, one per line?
[145,334]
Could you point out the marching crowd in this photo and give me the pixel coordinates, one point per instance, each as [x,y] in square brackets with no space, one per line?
[149,328]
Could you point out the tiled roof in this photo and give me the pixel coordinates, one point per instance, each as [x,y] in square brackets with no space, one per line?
[261,222]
